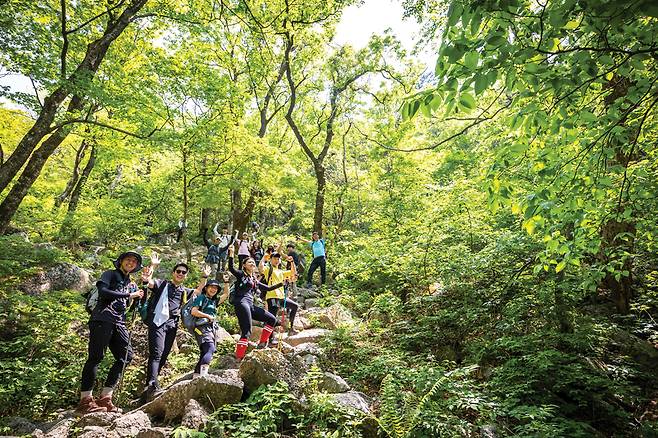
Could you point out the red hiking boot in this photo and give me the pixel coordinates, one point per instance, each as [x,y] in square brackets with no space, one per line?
[106,402]
[87,405]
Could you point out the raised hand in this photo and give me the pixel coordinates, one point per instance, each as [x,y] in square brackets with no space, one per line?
[226,277]
[207,269]
[155,259]
[230,251]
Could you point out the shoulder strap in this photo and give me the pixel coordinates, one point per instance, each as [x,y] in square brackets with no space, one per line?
[269,276]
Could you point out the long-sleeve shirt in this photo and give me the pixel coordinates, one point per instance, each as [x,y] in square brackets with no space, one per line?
[246,285]
[113,295]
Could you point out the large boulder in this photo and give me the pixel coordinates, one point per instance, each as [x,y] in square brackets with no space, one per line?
[58,430]
[97,432]
[221,335]
[332,317]
[212,391]
[639,350]
[313,335]
[263,367]
[101,419]
[353,400]
[155,432]
[130,424]
[21,426]
[59,277]
[195,416]
[333,384]
[308,348]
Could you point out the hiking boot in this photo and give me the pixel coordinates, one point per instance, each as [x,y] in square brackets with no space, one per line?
[106,402]
[261,346]
[292,332]
[86,406]
[153,392]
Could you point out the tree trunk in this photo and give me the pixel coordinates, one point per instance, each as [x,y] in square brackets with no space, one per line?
[75,175]
[186,240]
[240,215]
[318,215]
[77,192]
[33,168]
[86,70]
[206,223]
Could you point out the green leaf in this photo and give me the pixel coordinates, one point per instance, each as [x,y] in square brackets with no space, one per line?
[454,13]
[573,24]
[471,60]
[481,84]
[560,266]
[467,101]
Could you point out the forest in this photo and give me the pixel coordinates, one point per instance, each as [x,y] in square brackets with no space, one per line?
[491,220]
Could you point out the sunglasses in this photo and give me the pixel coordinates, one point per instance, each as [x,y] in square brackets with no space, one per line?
[181,271]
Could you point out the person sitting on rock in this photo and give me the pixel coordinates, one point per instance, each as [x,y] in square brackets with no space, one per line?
[277,299]
[162,314]
[107,329]
[246,285]
[204,307]
[215,250]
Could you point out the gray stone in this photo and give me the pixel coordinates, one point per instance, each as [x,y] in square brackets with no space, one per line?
[332,317]
[21,426]
[155,432]
[195,416]
[130,424]
[310,360]
[353,400]
[59,277]
[212,390]
[221,335]
[308,348]
[60,429]
[302,323]
[263,367]
[313,335]
[641,351]
[488,431]
[97,432]
[102,419]
[310,303]
[333,384]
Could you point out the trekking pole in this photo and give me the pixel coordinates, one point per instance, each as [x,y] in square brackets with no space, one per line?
[130,335]
[283,317]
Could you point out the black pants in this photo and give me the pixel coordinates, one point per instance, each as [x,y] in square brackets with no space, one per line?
[320,262]
[102,335]
[245,311]
[205,337]
[273,305]
[160,341]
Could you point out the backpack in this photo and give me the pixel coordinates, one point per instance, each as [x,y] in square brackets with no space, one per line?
[189,321]
[91,296]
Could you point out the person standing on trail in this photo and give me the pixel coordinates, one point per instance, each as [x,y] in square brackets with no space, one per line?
[225,239]
[182,226]
[205,308]
[298,261]
[215,250]
[243,247]
[107,329]
[318,246]
[162,314]
[245,286]
[276,299]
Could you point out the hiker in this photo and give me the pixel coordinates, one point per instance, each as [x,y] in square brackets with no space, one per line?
[182,226]
[277,298]
[215,250]
[245,286]
[225,239]
[257,250]
[318,246]
[204,307]
[243,247]
[298,261]
[107,329]
[162,314]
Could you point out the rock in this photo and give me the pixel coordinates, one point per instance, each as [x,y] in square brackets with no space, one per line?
[21,426]
[308,348]
[255,333]
[226,362]
[304,292]
[333,384]
[97,432]
[313,335]
[195,416]
[60,429]
[302,323]
[353,400]
[310,303]
[641,351]
[130,424]
[102,419]
[332,317]
[310,360]
[221,335]
[59,277]
[155,432]
[263,367]
[215,390]
[488,431]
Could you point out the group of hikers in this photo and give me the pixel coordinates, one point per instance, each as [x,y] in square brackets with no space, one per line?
[257,273]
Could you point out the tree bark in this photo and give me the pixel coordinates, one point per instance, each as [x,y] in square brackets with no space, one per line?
[241,215]
[80,153]
[77,192]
